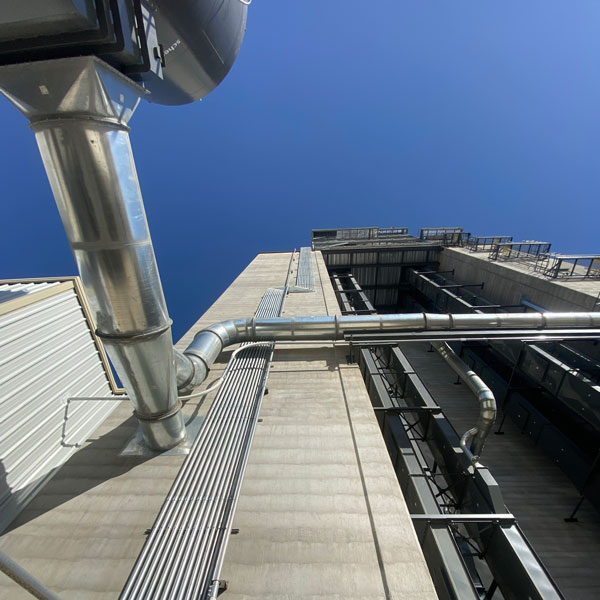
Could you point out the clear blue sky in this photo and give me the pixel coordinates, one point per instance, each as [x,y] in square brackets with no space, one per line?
[478,113]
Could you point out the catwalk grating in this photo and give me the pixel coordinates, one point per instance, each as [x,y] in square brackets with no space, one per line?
[184,552]
[305,277]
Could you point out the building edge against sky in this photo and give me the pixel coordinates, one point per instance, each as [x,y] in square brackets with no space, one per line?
[321,510]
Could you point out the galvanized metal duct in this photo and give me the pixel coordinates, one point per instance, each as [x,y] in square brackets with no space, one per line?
[79,109]
[27,581]
[208,343]
[485,397]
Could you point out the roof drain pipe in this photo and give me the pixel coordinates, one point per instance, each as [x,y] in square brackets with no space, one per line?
[196,360]
[79,109]
[485,397]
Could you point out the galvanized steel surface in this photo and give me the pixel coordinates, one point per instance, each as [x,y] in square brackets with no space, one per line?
[25,579]
[47,356]
[485,397]
[80,124]
[201,41]
[304,276]
[183,555]
[208,343]
[335,327]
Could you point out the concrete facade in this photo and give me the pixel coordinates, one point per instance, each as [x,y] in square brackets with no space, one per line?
[509,282]
[320,512]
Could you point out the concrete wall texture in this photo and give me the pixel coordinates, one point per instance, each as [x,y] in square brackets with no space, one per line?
[509,282]
[320,512]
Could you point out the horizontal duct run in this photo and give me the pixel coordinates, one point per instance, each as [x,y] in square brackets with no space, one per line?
[208,343]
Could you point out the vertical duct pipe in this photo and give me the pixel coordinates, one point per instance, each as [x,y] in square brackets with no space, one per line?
[485,397]
[79,109]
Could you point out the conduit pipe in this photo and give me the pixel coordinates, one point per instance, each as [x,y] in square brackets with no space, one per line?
[27,581]
[485,397]
[198,357]
[79,109]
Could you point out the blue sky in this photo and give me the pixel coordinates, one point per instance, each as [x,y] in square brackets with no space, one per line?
[483,114]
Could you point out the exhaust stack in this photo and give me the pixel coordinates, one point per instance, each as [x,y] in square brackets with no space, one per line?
[78,109]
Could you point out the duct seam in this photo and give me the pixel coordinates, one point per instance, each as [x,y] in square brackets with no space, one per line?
[39,122]
[159,416]
[81,130]
[124,338]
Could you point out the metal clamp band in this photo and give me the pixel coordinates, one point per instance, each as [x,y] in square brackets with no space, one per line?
[40,122]
[125,338]
[165,415]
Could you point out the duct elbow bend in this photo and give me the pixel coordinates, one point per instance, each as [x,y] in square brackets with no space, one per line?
[487,418]
[487,403]
[194,363]
[471,454]
[191,372]
[229,332]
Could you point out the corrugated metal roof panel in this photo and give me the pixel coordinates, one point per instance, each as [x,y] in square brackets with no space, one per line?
[11,291]
[47,357]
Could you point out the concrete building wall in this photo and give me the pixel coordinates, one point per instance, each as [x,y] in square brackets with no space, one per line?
[320,512]
[509,282]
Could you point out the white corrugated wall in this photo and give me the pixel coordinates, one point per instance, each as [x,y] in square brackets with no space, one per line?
[47,357]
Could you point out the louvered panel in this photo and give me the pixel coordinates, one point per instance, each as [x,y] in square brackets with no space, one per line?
[365,275]
[49,408]
[365,258]
[47,357]
[28,467]
[39,339]
[41,378]
[12,291]
[44,408]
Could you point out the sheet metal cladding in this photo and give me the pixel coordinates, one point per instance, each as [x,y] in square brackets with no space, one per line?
[200,41]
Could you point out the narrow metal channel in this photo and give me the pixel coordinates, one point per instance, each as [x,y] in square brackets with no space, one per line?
[184,552]
[305,277]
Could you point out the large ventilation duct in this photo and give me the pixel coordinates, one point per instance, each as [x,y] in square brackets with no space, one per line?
[194,363]
[178,50]
[79,109]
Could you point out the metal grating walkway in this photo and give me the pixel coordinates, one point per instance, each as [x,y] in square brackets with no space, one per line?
[304,276]
[184,552]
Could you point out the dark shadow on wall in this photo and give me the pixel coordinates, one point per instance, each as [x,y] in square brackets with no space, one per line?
[89,467]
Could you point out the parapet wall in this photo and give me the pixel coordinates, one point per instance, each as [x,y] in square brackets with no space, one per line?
[509,283]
